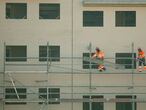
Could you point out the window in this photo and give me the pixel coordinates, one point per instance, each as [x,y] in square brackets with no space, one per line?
[16,53]
[125,59]
[16,10]
[86,64]
[125,105]
[10,93]
[49,11]
[53,94]
[53,53]
[126,18]
[94,105]
[93,18]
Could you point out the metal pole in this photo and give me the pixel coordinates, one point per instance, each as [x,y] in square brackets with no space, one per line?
[90,103]
[13,84]
[133,59]
[48,58]
[90,66]
[90,77]
[4,69]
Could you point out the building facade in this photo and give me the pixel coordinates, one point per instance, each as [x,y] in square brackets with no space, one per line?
[44,45]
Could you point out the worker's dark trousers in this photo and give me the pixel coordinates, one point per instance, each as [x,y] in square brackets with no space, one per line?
[141,62]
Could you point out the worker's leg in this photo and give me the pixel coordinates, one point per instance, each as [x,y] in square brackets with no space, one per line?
[140,65]
[101,68]
[104,68]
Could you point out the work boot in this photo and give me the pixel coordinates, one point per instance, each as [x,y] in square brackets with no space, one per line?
[140,69]
[104,68]
[100,70]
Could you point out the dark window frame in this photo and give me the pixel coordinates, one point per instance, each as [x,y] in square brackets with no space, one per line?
[125,18]
[94,105]
[125,105]
[54,55]
[11,94]
[53,94]
[125,60]
[11,55]
[52,12]
[86,64]
[93,18]
[16,10]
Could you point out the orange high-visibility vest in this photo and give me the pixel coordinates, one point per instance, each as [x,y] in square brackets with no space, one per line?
[100,54]
[141,54]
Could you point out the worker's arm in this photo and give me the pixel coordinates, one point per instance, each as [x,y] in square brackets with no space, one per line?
[94,56]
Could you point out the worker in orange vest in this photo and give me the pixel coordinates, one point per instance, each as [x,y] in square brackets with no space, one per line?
[99,55]
[141,59]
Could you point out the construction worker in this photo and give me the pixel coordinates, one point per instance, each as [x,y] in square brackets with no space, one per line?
[100,56]
[141,60]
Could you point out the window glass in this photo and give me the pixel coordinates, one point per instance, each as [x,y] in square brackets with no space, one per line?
[49,11]
[11,94]
[125,105]
[16,10]
[16,53]
[126,18]
[53,94]
[86,64]
[53,53]
[94,105]
[93,18]
[125,59]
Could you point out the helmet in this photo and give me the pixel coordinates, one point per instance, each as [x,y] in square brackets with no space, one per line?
[97,49]
[139,49]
